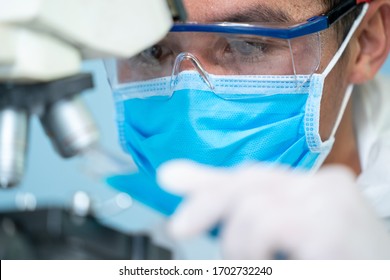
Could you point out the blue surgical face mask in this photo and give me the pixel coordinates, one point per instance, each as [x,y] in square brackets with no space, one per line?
[226,120]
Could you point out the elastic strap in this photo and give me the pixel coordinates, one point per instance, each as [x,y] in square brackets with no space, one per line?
[334,61]
[344,45]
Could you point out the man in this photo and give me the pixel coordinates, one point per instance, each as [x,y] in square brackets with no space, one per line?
[228,95]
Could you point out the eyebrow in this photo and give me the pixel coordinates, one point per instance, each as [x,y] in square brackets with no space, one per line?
[256,13]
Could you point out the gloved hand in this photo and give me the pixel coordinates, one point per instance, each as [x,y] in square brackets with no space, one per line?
[272,212]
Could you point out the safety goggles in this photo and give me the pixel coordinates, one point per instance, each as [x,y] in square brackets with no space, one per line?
[232,49]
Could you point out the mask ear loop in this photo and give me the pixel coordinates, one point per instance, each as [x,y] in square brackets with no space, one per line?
[346,41]
[334,61]
[348,92]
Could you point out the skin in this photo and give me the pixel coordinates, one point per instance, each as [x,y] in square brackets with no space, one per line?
[366,53]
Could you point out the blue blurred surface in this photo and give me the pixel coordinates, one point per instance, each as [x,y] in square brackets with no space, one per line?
[386,68]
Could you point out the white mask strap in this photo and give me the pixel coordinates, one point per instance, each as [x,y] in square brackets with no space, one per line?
[334,61]
[342,110]
[344,45]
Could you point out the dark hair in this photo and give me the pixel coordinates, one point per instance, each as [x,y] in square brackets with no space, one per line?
[345,23]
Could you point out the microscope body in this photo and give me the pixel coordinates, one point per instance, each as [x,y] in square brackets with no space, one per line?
[43,43]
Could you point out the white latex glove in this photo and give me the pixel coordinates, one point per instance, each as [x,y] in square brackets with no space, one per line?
[266,210]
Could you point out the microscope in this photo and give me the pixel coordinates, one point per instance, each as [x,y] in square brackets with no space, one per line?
[42,45]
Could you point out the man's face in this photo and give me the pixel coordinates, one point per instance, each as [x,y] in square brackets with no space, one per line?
[292,12]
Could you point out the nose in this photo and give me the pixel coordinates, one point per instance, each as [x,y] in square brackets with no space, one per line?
[186,61]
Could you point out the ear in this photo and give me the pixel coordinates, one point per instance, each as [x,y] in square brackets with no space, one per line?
[373,42]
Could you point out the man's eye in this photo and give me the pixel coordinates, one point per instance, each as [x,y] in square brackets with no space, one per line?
[247,48]
[157,52]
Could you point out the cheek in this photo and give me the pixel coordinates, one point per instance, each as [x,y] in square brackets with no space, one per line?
[334,90]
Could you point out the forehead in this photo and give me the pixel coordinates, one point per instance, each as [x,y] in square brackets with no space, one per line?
[223,10]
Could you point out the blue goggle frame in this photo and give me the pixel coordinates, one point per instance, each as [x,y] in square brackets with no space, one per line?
[312,25]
